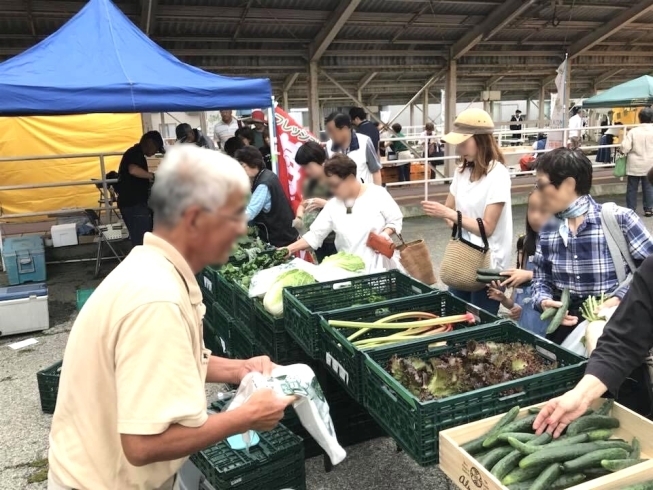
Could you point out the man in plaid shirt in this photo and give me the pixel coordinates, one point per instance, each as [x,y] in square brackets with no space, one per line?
[573,252]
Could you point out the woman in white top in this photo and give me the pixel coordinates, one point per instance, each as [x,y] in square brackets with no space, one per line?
[356,210]
[638,146]
[480,189]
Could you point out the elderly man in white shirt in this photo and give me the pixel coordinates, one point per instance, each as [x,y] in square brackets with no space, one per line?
[575,123]
[225,128]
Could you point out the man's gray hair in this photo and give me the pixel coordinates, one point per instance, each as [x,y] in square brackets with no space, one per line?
[194,176]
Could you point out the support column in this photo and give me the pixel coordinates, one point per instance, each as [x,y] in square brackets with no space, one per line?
[285,102]
[487,106]
[412,115]
[313,99]
[425,108]
[146,119]
[204,125]
[359,95]
[540,121]
[163,129]
[450,113]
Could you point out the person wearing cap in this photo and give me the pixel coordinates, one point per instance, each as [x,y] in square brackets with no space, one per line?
[480,189]
[516,118]
[257,119]
[186,134]
[358,147]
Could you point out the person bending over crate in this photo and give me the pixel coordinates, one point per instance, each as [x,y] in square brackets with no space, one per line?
[131,405]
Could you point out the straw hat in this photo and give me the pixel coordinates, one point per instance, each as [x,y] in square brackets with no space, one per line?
[467,124]
[257,116]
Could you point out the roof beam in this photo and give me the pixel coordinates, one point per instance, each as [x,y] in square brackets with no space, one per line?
[607,76]
[243,16]
[148,15]
[30,18]
[331,29]
[494,22]
[290,81]
[366,79]
[609,28]
[412,20]
[493,80]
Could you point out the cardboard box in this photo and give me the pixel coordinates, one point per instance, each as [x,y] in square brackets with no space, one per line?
[467,474]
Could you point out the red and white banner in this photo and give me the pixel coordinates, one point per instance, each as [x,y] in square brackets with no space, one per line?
[290,136]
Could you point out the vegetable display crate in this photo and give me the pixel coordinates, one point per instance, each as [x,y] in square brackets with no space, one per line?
[219,289]
[466,472]
[275,463]
[82,297]
[243,344]
[212,341]
[303,305]
[48,382]
[347,362]
[415,424]
[274,339]
[222,325]
[243,306]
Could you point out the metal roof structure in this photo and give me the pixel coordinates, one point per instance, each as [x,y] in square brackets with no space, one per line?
[383,50]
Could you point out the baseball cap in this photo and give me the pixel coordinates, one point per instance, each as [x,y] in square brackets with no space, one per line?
[467,124]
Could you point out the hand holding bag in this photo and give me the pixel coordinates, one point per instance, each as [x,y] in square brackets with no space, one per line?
[416,259]
[380,244]
[463,258]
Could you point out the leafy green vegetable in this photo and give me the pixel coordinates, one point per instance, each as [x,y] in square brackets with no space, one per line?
[346,261]
[273,300]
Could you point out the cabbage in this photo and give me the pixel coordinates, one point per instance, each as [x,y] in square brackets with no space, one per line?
[273,300]
[346,261]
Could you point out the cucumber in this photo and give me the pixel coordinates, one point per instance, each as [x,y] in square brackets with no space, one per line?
[560,313]
[547,477]
[534,410]
[593,473]
[566,481]
[593,458]
[620,464]
[519,436]
[490,272]
[521,425]
[548,313]
[569,440]
[530,448]
[494,456]
[563,453]
[599,434]
[476,446]
[525,485]
[637,449]
[523,448]
[606,407]
[519,475]
[489,279]
[647,485]
[592,422]
[510,462]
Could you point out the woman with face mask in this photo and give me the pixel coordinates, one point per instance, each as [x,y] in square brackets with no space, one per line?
[480,189]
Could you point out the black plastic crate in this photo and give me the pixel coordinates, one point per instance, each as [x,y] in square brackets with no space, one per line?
[243,306]
[274,463]
[48,382]
[222,325]
[303,304]
[243,343]
[415,425]
[211,341]
[273,338]
[346,361]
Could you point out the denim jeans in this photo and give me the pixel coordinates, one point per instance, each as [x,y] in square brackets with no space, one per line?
[138,220]
[478,298]
[633,189]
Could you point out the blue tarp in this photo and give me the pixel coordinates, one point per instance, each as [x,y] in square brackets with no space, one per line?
[99,61]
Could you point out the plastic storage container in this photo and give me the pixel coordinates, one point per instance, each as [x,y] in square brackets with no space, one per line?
[82,297]
[24,259]
[64,235]
[23,309]
[48,381]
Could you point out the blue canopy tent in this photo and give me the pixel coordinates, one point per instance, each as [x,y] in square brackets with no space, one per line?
[99,61]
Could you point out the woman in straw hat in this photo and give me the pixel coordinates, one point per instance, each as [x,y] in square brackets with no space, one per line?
[480,189]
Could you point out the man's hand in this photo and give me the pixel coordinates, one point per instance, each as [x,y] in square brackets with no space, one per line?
[608,303]
[315,204]
[266,408]
[438,210]
[568,320]
[516,277]
[261,364]
[560,412]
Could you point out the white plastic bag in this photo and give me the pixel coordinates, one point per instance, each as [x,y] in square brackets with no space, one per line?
[574,342]
[311,407]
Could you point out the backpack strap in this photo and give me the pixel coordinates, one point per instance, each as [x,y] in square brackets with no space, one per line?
[616,242]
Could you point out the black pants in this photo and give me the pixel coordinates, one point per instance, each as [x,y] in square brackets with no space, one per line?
[138,220]
[327,249]
[404,172]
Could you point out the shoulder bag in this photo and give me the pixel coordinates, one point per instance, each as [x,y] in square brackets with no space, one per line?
[463,258]
[416,259]
[620,166]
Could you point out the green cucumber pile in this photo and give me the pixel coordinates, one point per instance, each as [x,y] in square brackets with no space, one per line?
[521,460]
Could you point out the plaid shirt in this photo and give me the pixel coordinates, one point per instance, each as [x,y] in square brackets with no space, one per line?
[585,265]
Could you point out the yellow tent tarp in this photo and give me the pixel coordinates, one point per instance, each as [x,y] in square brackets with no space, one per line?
[60,135]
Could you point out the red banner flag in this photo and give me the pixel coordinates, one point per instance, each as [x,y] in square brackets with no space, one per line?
[290,136]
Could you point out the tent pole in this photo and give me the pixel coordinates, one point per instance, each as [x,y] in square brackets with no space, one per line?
[106,197]
[272,130]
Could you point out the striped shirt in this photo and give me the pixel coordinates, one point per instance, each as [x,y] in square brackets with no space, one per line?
[585,265]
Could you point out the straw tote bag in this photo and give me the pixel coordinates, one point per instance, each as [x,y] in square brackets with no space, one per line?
[462,259]
[416,259]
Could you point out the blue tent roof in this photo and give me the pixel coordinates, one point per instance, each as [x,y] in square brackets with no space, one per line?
[99,61]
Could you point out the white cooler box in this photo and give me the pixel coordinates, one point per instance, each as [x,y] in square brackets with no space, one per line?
[23,309]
